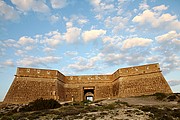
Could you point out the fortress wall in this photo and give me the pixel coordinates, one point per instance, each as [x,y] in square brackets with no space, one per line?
[60,91]
[30,84]
[115,88]
[74,92]
[39,73]
[24,90]
[101,91]
[137,70]
[88,79]
[144,84]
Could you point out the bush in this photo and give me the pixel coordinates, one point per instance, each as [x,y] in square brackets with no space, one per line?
[41,104]
[109,106]
[160,96]
[171,97]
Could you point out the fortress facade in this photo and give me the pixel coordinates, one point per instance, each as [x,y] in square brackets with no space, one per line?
[31,83]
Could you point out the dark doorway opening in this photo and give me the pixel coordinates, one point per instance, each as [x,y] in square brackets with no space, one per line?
[89,94]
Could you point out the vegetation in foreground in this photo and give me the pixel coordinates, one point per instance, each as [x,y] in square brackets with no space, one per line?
[51,109]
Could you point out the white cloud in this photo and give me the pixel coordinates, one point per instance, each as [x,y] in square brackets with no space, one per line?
[160,8]
[29,47]
[82,21]
[20,52]
[81,64]
[47,49]
[117,23]
[84,64]
[52,38]
[133,42]
[58,4]
[71,53]
[143,5]
[75,19]
[113,58]
[25,40]
[36,61]
[111,44]
[156,20]
[54,18]
[69,24]
[174,82]
[8,12]
[95,2]
[10,43]
[146,16]
[99,17]
[9,63]
[92,34]
[102,7]
[170,36]
[72,34]
[34,5]
[23,4]
[170,62]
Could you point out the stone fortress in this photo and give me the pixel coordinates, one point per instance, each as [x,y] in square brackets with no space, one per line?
[31,83]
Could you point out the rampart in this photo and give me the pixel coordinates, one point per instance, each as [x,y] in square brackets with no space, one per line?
[30,84]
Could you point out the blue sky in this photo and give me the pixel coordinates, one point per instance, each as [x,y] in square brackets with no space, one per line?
[80,37]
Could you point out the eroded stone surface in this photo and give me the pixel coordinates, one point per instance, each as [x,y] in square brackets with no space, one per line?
[30,84]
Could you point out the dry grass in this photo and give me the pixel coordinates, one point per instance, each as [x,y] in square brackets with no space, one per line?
[122,108]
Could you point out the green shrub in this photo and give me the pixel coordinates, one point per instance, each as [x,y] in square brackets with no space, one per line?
[6,118]
[87,101]
[41,104]
[171,97]
[160,96]
[109,106]
[121,102]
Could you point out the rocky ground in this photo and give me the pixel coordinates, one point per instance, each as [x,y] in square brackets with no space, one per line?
[154,107]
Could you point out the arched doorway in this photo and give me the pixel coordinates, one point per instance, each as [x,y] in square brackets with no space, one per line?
[89,93]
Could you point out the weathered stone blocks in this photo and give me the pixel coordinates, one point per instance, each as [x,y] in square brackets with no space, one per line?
[30,84]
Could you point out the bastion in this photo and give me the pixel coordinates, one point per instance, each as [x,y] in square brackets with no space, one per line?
[31,83]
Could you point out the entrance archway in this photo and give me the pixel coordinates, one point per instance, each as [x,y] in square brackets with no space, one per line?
[89,93]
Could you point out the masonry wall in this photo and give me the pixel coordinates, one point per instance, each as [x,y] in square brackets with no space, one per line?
[74,86]
[30,84]
[144,84]
[140,80]
[24,90]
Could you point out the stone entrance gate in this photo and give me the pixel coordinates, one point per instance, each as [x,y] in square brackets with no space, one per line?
[89,93]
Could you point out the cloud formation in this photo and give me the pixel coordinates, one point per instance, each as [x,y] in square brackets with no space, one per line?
[34,5]
[133,42]
[170,36]
[8,12]
[92,34]
[72,35]
[58,4]
[32,61]
[157,20]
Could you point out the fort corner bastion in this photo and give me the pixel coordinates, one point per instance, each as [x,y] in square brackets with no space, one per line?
[31,83]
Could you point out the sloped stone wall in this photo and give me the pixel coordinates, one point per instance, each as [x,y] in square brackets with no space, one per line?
[30,84]
[24,90]
[144,84]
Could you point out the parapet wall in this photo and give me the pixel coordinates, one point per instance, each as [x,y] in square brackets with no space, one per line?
[136,70]
[88,79]
[39,73]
